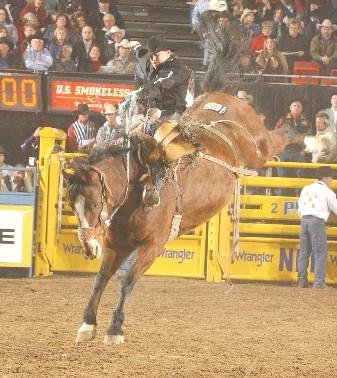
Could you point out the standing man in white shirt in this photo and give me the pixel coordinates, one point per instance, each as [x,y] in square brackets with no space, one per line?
[316,202]
[332,112]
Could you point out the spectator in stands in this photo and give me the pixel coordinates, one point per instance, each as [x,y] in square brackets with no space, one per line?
[94,63]
[9,59]
[312,18]
[29,29]
[112,132]
[124,62]
[294,124]
[289,9]
[323,48]
[29,18]
[64,61]
[274,67]
[294,45]
[61,21]
[256,44]
[316,202]
[82,48]
[37,57]
[116,34]
[60,39]
[279,27]
[3,165]
[69,6]
[104,7]
[265,10]
[14,8]
[269,50]
[245,97]
[35,7]
[325,142]
[3,32]
[82,133]
[79,20]
[12,33]
[247,66]
[21,181]
[332,112]
[103,37]
[248,27]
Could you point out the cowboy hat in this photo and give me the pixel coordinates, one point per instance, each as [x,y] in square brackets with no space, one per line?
[217,5]
[109,109]
[115,29]
[36,36]
[245,13]
[163,46]
[327,24]
[244,96]
[124,43]
[82,109]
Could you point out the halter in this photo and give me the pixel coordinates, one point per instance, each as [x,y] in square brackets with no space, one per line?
[86,233]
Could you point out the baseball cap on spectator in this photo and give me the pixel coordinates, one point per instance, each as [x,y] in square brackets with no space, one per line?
[327,24]
[163,46]
[109,109]
[35,36]
[245,13]
[82,109]
[124,43]
[116,29]
[217,5]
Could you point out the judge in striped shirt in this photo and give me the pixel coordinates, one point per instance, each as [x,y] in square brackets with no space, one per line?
[82,133]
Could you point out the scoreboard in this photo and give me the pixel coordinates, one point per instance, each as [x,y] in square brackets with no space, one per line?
[20,92]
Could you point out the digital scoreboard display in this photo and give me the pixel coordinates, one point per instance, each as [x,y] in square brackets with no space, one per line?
[20,92]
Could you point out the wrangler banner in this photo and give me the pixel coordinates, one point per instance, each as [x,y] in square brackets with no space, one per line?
[66,93]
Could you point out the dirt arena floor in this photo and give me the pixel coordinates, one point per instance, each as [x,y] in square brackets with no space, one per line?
[173,328]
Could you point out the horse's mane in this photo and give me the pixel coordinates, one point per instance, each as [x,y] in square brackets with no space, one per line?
[224,49]
[81,165]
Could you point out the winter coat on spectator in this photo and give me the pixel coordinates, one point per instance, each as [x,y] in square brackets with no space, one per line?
[121,67]
[81,55]
[12,33]
[67,66]
[69,7]
[323,146]
[11,61]
[96,18]
[320,47]
[54,48]
[37,60]
[288,44]
[15,8]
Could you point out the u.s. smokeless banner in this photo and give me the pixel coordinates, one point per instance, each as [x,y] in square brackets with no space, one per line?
[65,94]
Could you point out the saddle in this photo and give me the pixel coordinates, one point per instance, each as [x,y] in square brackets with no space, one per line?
[167,144]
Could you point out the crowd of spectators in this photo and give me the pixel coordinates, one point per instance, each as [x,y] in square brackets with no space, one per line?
[275,34]
[64,36]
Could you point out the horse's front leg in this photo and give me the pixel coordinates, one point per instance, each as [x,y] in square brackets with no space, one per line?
[142,261]
[109,266]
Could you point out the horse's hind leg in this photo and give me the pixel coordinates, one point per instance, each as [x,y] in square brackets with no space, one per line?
[109,266]
[143,259]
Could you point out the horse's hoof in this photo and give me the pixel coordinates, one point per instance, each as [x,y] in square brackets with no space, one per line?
[113,339]
[86,333]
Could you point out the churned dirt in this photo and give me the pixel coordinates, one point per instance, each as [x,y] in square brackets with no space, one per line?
[173,328]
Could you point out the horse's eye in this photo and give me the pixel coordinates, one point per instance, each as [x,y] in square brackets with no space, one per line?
[94,205]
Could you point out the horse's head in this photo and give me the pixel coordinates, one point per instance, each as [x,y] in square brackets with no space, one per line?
[92,201]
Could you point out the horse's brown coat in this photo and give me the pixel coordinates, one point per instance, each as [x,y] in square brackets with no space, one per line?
[205,188]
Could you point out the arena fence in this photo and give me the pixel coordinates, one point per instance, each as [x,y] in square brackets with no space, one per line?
[268,222]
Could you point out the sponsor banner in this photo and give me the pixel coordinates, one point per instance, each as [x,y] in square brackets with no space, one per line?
[16,232]
[65,94]
[274,261]
[184,257]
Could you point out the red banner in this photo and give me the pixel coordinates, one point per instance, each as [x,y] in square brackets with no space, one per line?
[65,95]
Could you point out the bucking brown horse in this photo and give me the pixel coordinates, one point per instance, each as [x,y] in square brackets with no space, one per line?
[231,138]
